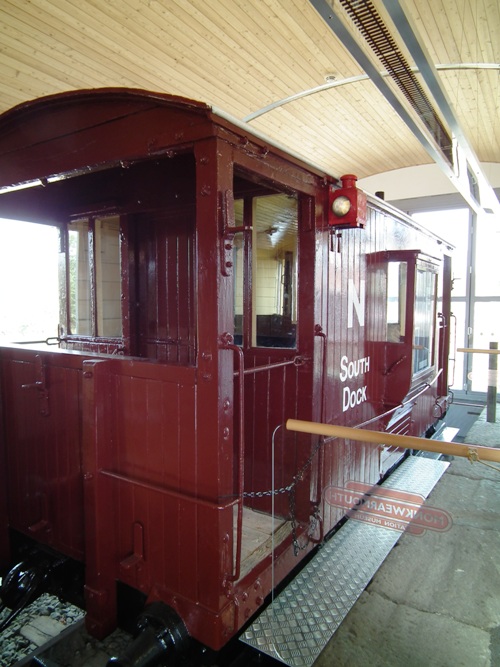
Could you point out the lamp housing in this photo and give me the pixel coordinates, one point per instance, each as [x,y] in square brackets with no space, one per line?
[347,205]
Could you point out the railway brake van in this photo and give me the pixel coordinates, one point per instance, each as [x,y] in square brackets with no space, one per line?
[211,287]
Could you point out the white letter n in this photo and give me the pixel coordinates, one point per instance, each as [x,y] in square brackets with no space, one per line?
[355,302]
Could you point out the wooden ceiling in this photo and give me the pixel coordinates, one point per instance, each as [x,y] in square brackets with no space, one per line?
[243,55]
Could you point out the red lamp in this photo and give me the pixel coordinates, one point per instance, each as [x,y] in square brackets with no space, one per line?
[347,206]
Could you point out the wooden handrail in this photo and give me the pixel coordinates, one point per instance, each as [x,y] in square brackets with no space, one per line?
[471,452]
[474,350]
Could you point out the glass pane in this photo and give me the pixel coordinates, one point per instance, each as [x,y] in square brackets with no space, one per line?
[487,281]
[274,260]
[79,278]
[486,330]
[29,298]
[453,226]
[457,359]
[108,277]
[423,326]
[396,301]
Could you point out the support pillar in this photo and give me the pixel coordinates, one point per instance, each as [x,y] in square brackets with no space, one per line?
[491,399]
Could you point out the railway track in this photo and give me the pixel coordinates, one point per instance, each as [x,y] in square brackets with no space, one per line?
[51,633]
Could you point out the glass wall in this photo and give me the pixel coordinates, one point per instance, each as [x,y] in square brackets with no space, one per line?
[476,291]
[485,289]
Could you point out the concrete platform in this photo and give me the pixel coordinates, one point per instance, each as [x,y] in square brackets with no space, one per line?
[436,599]
[300,621]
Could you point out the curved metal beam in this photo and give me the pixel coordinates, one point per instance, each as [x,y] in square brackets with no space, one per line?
[355,79]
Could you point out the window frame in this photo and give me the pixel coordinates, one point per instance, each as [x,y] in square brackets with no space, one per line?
[65,328]
[249,331]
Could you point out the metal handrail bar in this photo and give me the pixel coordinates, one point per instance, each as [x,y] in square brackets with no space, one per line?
[257,369]
[36,342]
[425,387]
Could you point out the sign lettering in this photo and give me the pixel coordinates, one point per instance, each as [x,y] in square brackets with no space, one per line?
[356,302]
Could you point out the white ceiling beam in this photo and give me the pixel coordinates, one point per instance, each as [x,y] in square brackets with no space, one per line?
[458,173]
[465,158]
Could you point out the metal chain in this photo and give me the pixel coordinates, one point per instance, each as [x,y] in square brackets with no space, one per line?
[296,479]
[290,489]
[270,492]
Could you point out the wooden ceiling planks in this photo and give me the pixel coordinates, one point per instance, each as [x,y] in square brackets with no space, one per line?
[467,31]
[242,55]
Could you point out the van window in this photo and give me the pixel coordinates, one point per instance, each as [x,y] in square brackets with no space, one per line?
[265,270]
[396,301]
[424,319]
[95,277]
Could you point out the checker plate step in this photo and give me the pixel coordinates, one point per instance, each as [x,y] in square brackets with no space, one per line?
[301,620]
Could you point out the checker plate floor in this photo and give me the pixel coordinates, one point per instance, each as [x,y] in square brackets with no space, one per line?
[301,620]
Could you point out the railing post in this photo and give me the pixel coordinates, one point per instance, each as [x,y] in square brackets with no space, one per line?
[227,343]
[491,399]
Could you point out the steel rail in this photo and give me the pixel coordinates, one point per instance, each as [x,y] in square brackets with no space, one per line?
[296,361]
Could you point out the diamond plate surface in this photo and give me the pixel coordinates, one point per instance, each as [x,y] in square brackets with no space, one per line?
[302,619]
[416,475]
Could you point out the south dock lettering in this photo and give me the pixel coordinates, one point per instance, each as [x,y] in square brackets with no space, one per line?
[353,397]
[350,369]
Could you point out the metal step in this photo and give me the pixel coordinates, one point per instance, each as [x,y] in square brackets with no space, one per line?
[443,434]
[447,434]
[301,620]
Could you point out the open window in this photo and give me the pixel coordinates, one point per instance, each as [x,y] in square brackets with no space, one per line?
[29,298]
[265,267]
[127,274]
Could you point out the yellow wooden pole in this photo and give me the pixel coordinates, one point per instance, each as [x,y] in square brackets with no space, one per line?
[473,350]
[471,452]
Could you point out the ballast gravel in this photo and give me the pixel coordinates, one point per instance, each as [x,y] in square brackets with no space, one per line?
[35,630]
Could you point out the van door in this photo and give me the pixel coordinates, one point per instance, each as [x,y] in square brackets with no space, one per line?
[277,360]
